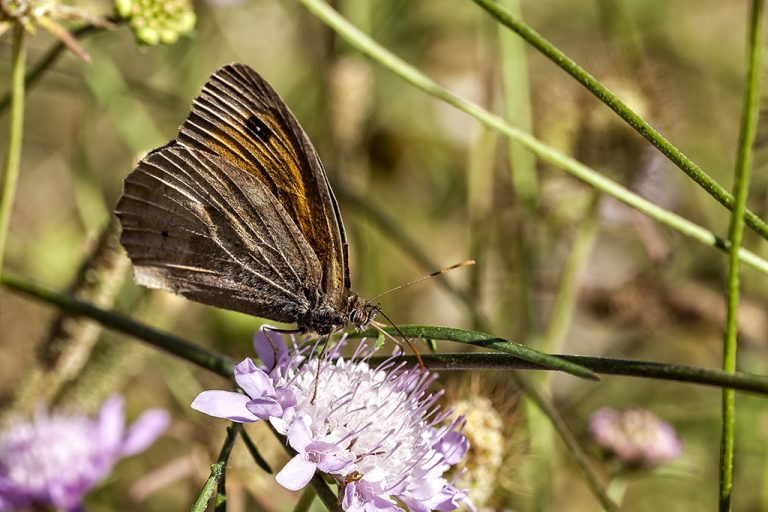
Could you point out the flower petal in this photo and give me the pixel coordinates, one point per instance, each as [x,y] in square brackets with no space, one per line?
[144,431]
[296,474]
[265,407]
[299,435]
[253,380]
[270,348]
[332,462]
[453,445]
[111,424]
[224,404]
[287,397]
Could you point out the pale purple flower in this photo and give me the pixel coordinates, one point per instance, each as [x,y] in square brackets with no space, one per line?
[55,459]
[378,432]
[635,436]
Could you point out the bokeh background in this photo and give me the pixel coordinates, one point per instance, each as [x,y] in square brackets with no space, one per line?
[421,186]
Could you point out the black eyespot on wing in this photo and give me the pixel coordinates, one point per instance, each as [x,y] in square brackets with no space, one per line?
[164,234]
[257,129]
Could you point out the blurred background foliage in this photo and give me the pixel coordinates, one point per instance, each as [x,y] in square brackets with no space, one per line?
[414,177]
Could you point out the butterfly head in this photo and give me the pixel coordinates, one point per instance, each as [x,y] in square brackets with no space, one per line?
[361,313]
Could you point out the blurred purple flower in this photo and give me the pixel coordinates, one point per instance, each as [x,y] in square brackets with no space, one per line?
[55,459]
[635,436]
[377,431]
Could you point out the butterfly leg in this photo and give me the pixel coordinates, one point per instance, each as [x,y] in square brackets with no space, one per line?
[320,359]
[269,329]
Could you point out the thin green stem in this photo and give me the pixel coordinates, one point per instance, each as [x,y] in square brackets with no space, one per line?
[124,324]
[218,470]
[735,235]
[222,365]
[569,440]
[481,339]
[547,153]
[464,361]
[517,106]
[568,293]
[36,72]
[254,451]
[515,84]
[509,19]
[541,433]
[10,174]
[305,500]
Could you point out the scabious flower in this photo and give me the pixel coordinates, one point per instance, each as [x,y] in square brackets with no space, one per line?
[157,21]
[636,437]
[378,432]
[55,459]
[485,431]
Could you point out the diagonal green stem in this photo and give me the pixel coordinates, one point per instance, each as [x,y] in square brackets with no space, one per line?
[223,365]
[569,439]
[121,323]
[509,19]
[547,153]
[218,470]
[481,339]
[15,134]
[735,235]
[51,56]
[602,365]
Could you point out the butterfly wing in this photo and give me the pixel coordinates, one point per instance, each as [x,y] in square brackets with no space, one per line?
[239,117]
[195,224]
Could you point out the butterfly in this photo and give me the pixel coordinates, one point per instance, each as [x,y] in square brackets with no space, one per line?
[237,212]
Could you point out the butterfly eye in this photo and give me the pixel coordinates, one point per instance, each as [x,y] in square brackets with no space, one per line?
[258,129]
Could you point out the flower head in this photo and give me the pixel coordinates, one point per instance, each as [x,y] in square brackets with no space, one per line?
[157,21]
[377,431]
[56,459]
[31,14]
[636,437]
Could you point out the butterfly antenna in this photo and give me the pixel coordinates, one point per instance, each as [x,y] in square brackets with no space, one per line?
[399,332]
[464,263]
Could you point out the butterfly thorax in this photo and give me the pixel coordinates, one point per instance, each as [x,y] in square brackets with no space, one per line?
[326,318]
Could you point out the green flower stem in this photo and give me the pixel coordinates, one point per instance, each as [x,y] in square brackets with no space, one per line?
[222,365]
[201,502]
[218,471]
[305,500]
[515,82]
[507,18]
[254,451]
[484,340]
[735,235]
[547,153]
[517,106]
[10,174]
[51,56]
[569,440]
[744,382]
[126,325]
[570,280]
[542,468]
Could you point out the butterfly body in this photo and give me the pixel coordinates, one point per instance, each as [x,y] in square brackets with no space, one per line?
[237,212]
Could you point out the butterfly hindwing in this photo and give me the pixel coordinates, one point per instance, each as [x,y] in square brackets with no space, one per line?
[239,117]
[195,224]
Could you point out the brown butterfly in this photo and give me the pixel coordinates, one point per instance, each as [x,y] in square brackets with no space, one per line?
[237,212]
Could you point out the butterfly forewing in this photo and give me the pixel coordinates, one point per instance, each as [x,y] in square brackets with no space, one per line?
[239,117]
[195,224]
